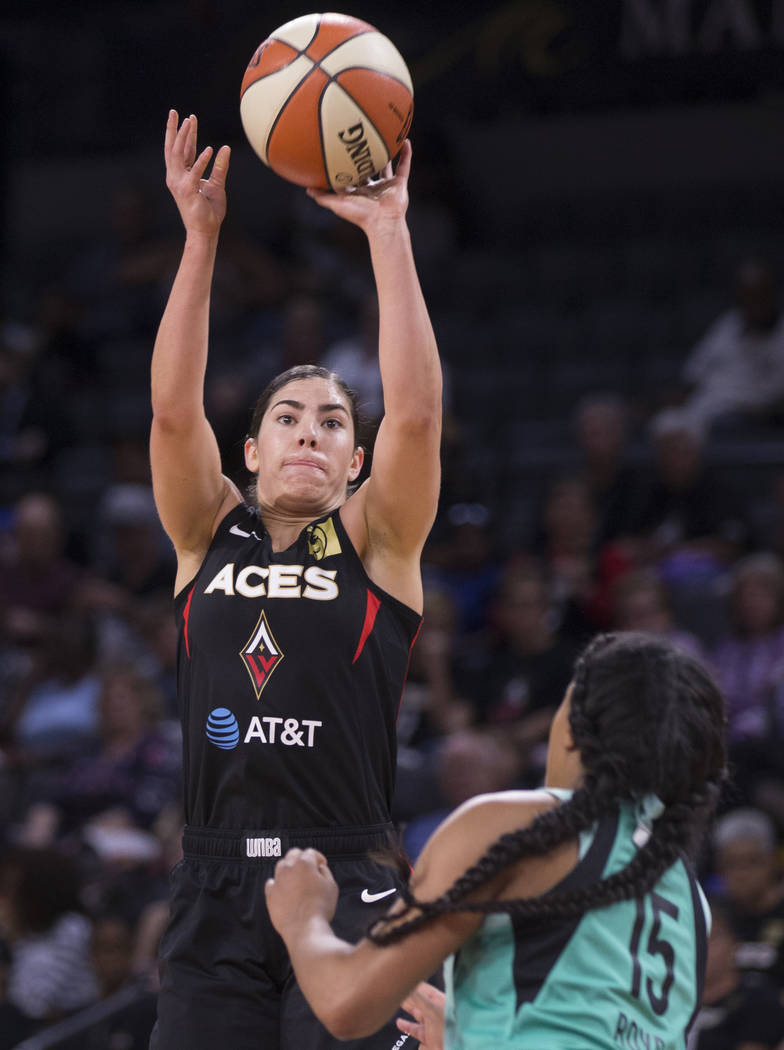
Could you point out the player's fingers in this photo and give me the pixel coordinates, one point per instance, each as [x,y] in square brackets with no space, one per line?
[404,160]
[182,132]
[220,168]
[182,152]
[314,857]
[292,856]
[411,1006]
[410,1028]
[199,165]
[171,131]
[430,992]
[189,142]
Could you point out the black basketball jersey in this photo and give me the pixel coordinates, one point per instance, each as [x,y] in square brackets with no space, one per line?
[291,667]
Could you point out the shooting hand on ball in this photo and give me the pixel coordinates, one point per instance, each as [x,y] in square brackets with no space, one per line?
[375,203]
[201,202]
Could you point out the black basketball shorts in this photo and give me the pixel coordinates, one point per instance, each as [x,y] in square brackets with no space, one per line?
[226,981]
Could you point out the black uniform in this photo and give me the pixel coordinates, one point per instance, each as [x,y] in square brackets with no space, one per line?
[291,669]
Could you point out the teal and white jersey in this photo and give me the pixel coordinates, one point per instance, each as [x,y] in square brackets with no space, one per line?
[625,977]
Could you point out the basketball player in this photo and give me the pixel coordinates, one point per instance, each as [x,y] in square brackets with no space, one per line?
[296,615]
[570,916]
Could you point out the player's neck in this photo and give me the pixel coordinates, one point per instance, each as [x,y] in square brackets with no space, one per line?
[283,528]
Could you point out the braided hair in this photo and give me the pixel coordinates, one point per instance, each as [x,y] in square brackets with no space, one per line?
[646,719]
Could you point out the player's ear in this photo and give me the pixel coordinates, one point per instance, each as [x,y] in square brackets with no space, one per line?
[356,463]
[252,455]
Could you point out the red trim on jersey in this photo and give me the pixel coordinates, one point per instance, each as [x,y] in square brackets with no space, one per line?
[371,611]
[185,614]
[408,665]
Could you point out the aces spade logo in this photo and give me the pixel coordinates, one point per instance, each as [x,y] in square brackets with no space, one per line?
[261,654]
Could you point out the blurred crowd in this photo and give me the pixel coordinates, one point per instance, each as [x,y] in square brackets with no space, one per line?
[634,529]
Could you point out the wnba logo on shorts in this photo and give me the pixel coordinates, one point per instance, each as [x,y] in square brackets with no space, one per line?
[264,847]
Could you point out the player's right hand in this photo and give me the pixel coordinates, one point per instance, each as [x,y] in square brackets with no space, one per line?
[201,202]
[302,887]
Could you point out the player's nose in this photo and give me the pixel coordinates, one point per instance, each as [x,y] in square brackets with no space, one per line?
[308,434]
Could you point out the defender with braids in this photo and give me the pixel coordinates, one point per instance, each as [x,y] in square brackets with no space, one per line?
[570,917]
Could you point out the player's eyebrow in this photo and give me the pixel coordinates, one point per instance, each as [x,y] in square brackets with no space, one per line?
[329,407]
[288,401]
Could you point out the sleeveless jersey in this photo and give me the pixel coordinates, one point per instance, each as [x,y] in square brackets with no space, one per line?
[626,976]
[291,667]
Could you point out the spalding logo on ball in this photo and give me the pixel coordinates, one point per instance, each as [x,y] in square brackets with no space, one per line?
[326,101]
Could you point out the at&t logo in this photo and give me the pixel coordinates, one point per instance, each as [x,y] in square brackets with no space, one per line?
[222,729]
[224,732]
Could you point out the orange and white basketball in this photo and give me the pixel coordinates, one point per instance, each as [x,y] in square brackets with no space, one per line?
[326,101]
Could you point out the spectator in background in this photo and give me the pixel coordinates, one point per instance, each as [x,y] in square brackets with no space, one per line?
[568,546]
[299,334]
[55,709]
[157,630]
[527,669]
[750,658]
[740,1010]
[768,516]
[432,705]
[355,359]
[690,526]
[226,402]
[469,762]
[602,431]
[14,1025]
[128,1003]
[737,368]
[744,847]
[138,558]
[464,562]
[689,521]
[39,584]
[641,603]
[127,777]
[116,281]
[34,421]
[42,919]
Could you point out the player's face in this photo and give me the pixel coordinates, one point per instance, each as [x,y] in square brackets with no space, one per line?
[304,454]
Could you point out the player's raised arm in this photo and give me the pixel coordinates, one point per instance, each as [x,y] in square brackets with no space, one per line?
[190,490]
[398,502]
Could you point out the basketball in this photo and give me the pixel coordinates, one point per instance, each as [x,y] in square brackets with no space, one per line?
[326,101]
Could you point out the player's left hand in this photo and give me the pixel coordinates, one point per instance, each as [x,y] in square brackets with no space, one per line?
[302,887]
[376,202]
[426,1005]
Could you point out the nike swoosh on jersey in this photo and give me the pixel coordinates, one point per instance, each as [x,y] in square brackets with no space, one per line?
[237,531]
[371,898]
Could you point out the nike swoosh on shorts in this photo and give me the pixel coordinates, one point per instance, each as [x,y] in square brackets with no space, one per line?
[371,898]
